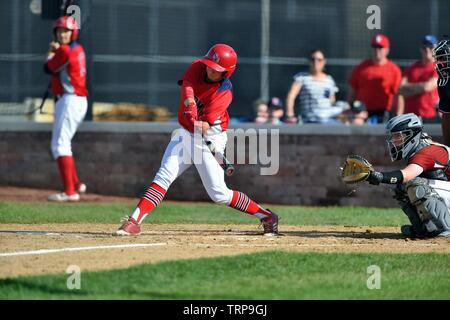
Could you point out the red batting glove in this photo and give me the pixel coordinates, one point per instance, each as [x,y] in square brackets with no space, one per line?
[191,115]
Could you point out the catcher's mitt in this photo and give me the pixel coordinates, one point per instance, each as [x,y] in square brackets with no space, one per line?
[356,169]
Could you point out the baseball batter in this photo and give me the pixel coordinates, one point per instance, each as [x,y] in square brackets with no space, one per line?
[67,64]
[206,94]
[422,188]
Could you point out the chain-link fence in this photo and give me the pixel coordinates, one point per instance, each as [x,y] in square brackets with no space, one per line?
[138,49]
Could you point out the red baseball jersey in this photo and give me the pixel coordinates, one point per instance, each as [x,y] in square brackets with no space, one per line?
[423,104]
[431,158]
[68,68]
[212,98]
[375,85]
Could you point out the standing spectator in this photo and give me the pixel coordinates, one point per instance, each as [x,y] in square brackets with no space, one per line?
[374,82]
[261,110]
[67,65]
[276,111]
[418,91]
[316,91]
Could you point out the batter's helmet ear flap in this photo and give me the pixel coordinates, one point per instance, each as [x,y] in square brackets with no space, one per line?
[221,58]
[67,22]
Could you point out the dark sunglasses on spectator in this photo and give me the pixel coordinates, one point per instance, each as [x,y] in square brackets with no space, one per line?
[316,59]
[377,47]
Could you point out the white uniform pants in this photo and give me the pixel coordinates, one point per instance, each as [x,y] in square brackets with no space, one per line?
[70,110]
[183,151]
[443,189]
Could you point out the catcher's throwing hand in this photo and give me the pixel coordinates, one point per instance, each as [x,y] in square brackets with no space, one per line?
[356,169]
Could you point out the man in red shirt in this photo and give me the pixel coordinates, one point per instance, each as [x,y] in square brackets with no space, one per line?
[66,63]
[374,82]
[418,92]
[206,94]
[423,186]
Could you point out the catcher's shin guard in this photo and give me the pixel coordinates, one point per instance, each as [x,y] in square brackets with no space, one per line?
[429,205]
[418,227]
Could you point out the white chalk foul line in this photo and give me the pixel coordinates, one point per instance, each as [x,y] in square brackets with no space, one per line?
[45,251]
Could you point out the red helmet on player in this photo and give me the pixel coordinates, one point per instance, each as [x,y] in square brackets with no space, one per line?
[67,22]
[221,58]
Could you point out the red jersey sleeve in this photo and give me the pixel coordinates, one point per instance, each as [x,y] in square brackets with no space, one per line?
[59,59]
[429,156]
[188,80]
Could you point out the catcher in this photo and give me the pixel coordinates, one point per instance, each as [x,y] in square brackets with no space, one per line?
[422,188]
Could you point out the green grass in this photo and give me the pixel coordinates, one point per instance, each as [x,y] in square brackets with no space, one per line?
[170,212]
[270,275]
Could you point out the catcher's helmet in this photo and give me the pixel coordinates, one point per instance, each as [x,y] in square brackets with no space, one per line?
[221,58]
[442,60]
[67,22]
[403,135]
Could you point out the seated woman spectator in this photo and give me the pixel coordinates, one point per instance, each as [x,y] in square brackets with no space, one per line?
[261,110]
[316,91]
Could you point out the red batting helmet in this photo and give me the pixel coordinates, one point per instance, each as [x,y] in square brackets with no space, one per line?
[221,58]
[67,22]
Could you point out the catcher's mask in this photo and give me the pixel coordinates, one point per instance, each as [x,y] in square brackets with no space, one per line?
[403,135]
[441,56]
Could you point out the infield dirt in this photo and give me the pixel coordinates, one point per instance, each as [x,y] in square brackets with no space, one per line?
[188,241]
[176,241]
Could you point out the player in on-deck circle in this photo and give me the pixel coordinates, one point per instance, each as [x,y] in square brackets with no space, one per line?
[206,94]
[422,188]
[66,63]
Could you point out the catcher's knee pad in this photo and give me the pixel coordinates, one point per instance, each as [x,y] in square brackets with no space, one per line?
[429,204]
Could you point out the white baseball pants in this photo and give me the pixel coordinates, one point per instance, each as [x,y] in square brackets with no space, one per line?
[442,188]
[186,149]
[70,111]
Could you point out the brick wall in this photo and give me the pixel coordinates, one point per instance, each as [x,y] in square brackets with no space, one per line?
[122,158]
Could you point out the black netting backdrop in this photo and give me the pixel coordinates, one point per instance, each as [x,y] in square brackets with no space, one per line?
[138,49]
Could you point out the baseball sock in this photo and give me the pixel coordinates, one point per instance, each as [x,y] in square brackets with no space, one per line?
[242,202]
[65,165]
[149,201]
[76,180]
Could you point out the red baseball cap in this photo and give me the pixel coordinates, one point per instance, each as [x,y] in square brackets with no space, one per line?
[380,40]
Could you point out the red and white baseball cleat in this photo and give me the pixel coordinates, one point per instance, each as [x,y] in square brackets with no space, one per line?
[270,224]
[130,227]
[81,188]
[63,197]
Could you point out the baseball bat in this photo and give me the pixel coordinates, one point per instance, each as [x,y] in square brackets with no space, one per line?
[227,167]
[44,98]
